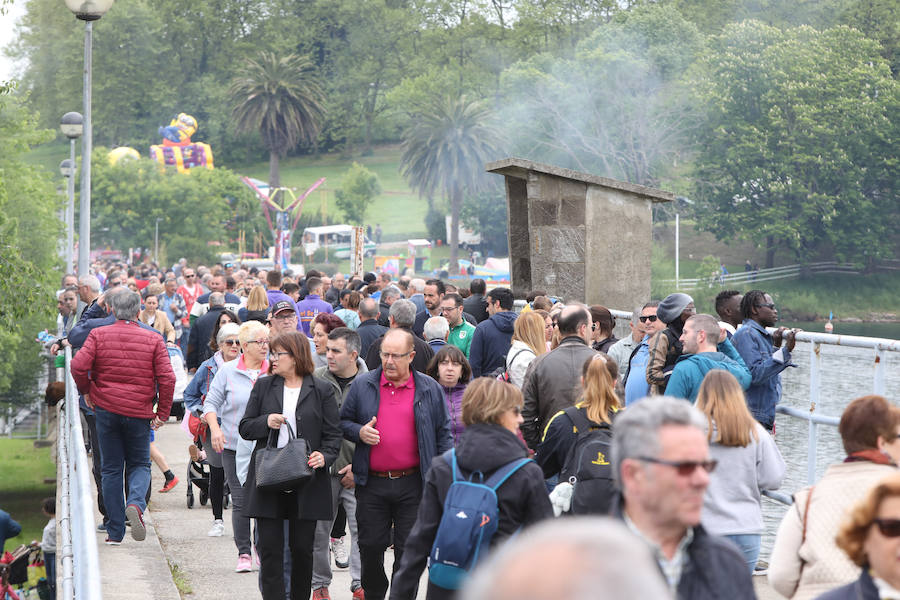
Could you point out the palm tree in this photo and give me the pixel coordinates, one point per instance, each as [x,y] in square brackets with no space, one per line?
[281,98]
[445,150]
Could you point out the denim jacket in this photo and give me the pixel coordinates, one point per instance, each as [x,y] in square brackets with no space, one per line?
[756,347]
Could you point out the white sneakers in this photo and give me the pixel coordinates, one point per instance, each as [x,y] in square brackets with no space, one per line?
[218,529]
[341,556]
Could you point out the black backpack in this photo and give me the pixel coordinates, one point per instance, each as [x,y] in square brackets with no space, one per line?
[588,467]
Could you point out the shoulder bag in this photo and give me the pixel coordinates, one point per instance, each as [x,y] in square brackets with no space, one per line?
[282,469]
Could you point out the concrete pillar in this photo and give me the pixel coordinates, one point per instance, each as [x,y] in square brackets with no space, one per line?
[578,236]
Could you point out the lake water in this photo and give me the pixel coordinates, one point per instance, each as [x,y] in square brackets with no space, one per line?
[846,373]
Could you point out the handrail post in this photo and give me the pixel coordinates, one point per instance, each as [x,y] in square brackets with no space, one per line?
[815,359]
[878,385]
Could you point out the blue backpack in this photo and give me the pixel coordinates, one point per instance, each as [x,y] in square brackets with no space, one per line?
[469,522]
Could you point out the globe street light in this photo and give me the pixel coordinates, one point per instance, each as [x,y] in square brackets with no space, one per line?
[87,11]
[72,126]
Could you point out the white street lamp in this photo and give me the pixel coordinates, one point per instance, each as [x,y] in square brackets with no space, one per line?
[72,126]
[87,11]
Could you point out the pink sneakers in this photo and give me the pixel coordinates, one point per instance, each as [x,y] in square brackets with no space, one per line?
[243,564]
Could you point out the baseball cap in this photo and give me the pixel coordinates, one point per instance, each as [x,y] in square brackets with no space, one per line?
[280,306]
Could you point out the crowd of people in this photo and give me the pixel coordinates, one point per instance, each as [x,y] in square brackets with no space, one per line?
[440,421]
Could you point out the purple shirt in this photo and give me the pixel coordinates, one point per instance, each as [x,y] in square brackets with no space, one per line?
[308,308]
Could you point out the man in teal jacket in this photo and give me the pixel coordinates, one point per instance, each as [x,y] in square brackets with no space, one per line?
[705,348]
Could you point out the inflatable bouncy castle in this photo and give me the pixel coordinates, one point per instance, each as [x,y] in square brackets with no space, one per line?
[177,149]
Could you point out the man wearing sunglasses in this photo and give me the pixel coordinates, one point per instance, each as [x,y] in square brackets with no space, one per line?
[763,353]
[662,467]
[643,322]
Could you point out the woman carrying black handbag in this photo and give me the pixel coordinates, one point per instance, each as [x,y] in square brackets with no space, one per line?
[290,397]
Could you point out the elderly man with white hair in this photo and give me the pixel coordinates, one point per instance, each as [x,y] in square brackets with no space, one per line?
[417,293]
[436,331]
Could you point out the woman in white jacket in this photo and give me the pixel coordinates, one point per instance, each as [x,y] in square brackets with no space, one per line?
[748,462]
[527,344]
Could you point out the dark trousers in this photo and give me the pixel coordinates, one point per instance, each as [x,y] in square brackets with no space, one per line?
[216,490]
[95,459]
[301,535]
[339,529]
[381,504]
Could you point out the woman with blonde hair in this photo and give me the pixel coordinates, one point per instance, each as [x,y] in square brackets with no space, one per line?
[492,413]
[749,462]
[528,342]
[870,536]
[157,319]
[257,308]
[594,411]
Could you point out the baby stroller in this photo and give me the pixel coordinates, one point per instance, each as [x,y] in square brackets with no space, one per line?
[198,475]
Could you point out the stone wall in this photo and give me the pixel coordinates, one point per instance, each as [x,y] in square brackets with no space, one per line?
[579,237]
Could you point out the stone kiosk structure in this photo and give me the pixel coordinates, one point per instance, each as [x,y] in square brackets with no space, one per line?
[578,236]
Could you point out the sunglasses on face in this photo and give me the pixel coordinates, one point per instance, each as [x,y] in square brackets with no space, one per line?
[651,318]
[231,343]
[888,527]
[684,467]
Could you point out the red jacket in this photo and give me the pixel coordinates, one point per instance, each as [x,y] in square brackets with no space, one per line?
[124,367]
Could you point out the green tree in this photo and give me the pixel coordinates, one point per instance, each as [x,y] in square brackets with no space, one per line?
[798,147]
[359,187]
[444,152]
[282,99]
[29,228]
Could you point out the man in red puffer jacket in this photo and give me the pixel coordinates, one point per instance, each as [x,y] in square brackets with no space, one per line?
[122,370]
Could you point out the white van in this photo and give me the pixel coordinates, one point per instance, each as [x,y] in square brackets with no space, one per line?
[336,238]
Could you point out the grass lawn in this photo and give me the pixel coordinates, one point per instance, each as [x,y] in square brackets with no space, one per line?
[22,473]
[398,209]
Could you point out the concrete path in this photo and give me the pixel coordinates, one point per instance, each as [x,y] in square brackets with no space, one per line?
[177,548]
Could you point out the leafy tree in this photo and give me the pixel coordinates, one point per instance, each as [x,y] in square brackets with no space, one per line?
[359,187]
[797,150]
[486,213]
[281,98]
[194,208]
[444,152]
[29,226]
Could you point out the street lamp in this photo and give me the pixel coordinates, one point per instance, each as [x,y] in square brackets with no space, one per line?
[156,241]
[72,126]
[87,11]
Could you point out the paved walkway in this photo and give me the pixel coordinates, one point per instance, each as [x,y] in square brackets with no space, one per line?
[177,548]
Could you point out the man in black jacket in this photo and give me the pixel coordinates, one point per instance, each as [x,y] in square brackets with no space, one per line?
[661,462]
[369,329]
[476,304]
[202,330]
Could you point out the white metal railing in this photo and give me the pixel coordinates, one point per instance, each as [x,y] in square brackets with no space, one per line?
[785,272]
[79,575]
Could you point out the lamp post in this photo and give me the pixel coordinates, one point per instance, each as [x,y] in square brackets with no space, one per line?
[87,11]
[72,126]
[156,241]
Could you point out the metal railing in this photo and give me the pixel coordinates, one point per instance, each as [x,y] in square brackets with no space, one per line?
[785,272]
[79,575]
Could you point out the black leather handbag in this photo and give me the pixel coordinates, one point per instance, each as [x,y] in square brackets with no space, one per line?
[282,469]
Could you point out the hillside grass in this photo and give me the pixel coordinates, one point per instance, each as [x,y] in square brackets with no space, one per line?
[23,470]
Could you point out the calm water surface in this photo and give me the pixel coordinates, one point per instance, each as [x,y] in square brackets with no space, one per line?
[846,373]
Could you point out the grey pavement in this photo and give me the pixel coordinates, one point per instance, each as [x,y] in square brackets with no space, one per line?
[177,541]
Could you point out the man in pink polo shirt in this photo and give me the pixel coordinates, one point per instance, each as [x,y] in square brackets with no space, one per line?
[398,420]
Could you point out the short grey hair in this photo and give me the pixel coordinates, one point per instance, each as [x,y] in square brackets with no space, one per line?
[417,284]
[603,561]
[217,299]
[368,308]
[637,429]
[404,313]
[390,292]
[226,331]
[124,303]
[436,328]
[91,282]
[636,315]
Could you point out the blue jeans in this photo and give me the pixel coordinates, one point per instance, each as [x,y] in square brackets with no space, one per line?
[748,544]
[124,443]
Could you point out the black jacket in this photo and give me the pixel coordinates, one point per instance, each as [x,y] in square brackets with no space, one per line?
[200,336]
[369,331]
[715,568]
[476,306]
[522,500]
[420,361]
[861,589]
[318,423]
